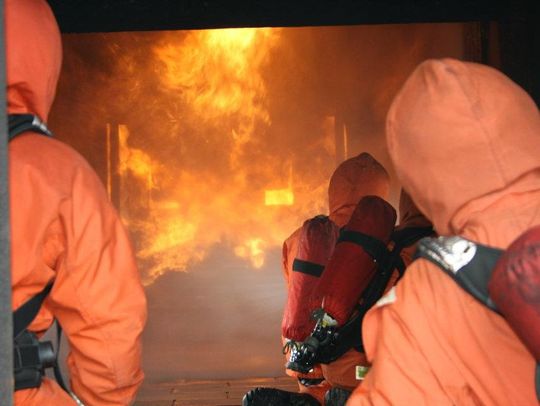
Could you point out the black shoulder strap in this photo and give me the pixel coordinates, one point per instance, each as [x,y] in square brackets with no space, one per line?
[470,264]
[404,238]
[25,314]
[20,123]
[374,247]
[407,236]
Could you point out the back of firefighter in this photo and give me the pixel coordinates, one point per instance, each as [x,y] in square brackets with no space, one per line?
[353,179]
[412,226]
[465,142]
[63,228]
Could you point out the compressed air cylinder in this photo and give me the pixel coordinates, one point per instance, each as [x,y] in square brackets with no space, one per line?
[316,243]
[352,265]
[515,288]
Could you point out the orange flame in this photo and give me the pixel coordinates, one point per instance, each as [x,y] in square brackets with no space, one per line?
[135,160]
[249,205]
[217,73]
[252,249]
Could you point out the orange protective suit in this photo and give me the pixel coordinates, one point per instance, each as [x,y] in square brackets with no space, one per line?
[353,179]
[465,142]
[63,227]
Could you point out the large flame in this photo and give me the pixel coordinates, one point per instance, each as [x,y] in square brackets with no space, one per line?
[217,73]
[135,160]
[222,187]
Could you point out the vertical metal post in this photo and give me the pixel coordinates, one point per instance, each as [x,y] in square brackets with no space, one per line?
[6,321]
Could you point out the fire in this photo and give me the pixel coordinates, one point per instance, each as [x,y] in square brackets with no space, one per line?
[252,249]
[217,73]
[135,160]
[279,197]
[218,185]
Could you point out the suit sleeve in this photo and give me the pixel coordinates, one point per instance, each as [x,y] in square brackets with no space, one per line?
[98,297]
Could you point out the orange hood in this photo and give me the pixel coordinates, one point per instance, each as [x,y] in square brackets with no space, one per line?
[353,179]
[34,57]
[462,136]
[409,215]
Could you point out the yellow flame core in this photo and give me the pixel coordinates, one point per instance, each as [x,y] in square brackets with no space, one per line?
[279,197]
[217,73]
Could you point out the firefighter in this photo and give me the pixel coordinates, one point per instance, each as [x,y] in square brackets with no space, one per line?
[465,141]
[370,257]
[353,179]
[64,230]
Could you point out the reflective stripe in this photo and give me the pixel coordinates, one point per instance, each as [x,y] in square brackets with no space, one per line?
[361,372]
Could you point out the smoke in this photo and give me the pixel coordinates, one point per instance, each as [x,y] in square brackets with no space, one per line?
[217,125]
[215,321]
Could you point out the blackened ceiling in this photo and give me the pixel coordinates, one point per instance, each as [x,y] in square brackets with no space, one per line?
[144,15]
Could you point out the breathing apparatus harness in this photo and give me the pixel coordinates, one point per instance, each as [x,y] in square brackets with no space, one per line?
[328,342]
[470,265]
[30,356]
